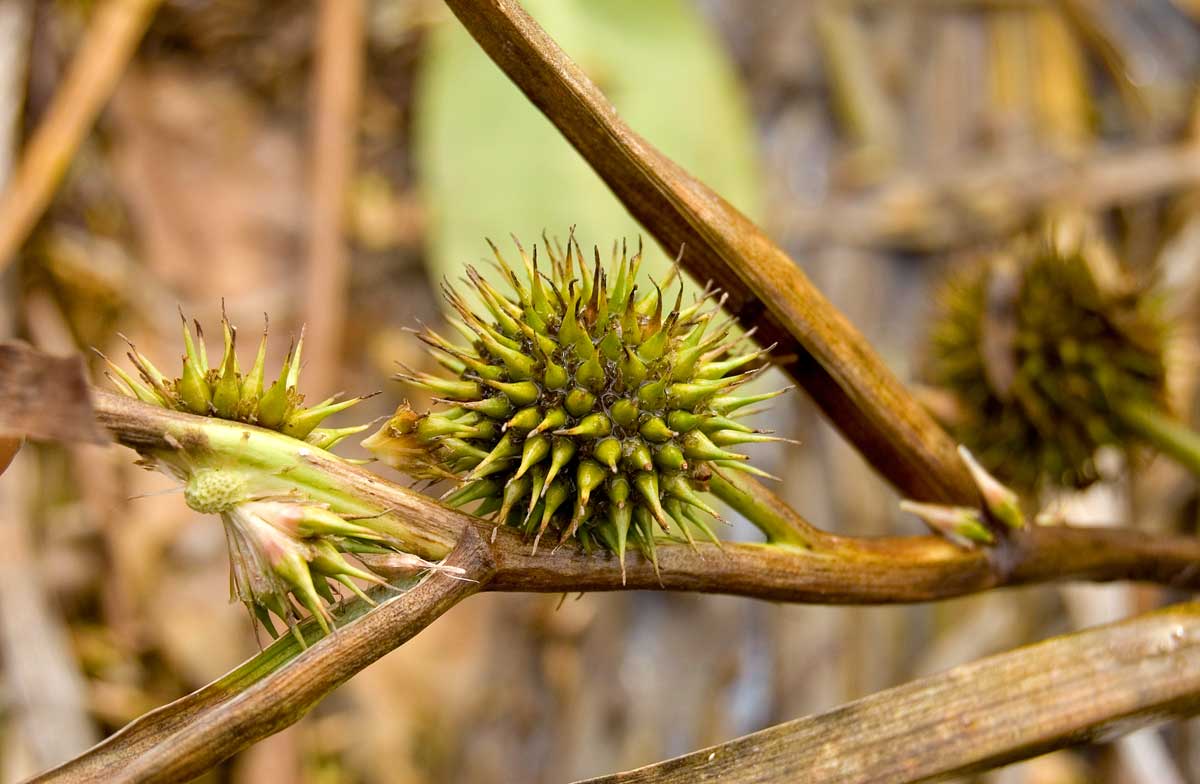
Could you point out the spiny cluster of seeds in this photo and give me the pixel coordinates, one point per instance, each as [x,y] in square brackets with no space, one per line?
[580,404]
[1040,346]
[224,391]
[285,549]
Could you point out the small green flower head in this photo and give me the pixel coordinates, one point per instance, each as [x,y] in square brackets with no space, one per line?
[225,391]
[286,551]
[580,401]
[1038,346]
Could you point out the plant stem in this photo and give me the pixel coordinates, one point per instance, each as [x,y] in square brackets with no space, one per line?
[1162,431]
[776,520]
[1007,707]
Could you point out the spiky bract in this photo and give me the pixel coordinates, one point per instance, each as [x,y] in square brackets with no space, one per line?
[224,391]
[1040,347]
[580,403]
[285,550]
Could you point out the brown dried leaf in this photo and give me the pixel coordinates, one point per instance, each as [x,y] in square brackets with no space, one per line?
[44,397]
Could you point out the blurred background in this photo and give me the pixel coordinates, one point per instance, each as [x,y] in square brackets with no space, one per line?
[329,162]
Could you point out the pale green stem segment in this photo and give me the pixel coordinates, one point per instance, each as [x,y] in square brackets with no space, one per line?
[747,497]
[273,463]
[1162,431]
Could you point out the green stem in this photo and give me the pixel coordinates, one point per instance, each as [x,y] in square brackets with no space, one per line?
[1163,431]
[746,496]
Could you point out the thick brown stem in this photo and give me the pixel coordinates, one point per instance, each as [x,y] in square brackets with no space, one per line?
[828,569]
[1000,709]
[212,730]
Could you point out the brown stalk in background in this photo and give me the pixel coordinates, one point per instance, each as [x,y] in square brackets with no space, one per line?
[336,97]
[110,42]
[1007,707]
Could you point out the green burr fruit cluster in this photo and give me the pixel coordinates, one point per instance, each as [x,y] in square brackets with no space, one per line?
[286,551]
[224,391]
[1042,346]
[580,403]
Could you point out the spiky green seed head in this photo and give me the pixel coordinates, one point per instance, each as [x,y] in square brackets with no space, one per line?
[224,391]
[286,551]
[582,402]
[1038,345]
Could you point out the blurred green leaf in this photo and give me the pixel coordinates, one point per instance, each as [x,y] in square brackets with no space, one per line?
[492,165]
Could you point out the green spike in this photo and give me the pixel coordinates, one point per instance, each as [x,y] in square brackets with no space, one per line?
[252,385]
[610,345]
[505,449]
[275,404]
[620,289]
[674,510]
[631,328]
[514,490]
[646,484]
[433,426]
[697,446]
[461,360]
[493,302]
[537,486]
[535,450]
[569,332]
[653,347]
[228,390]
[618,518]
[488,507]
[509,274]
[680,395]
[541,305]
[329,437]
[588,476]
[561,452]
[579,402]
[624,411]
[682,421]
[520,367]
[727,405]
[714,422]
[457,390]
[735,437]
[554,497]
[645,528]
[632,369]
[713,370]
[293,371]
[591,426]
[136,388]
[617,490]
[521,393]
[653,394]
[300,423]
[637,456]
[294,569]
[608,452]
[654,429]
[193,389]
[525,419]
[554,376]
[553,420]
[311,520]
[329,562]
[473,491]
[591,374]
[496,407]
[669,457]
[678,486]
